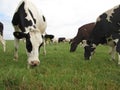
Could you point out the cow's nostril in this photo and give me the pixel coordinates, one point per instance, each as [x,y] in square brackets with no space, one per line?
[34,63]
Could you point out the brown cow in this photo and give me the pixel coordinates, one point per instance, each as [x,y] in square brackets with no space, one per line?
[83,34]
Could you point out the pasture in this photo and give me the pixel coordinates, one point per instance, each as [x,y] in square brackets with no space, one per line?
[59,70]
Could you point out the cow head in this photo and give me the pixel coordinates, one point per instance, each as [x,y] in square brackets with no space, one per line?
[73,46]
[89,50]
[33,43]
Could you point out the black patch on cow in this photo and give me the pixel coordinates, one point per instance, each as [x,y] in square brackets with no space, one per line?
[28,43]
[1,28]
[61,39]
[115,18]
[19,35]
[49,36]
[32,17]
[40,46]
[19,18]
[103,16]
[88,51]
[43,18]
[118,47]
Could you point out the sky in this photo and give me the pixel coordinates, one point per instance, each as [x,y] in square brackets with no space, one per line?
[64,17]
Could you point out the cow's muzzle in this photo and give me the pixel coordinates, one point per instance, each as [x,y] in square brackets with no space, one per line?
[34,63]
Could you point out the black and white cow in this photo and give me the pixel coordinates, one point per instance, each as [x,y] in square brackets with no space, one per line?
[61,39]
[48,38]
[106,31]
[58,40]
[29,24]
[1,36]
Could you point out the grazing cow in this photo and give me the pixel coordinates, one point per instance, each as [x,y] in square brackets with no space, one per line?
[58,40]
[61,39]
[67,40]
[29,24]
[48,38]
[1,36]
[106,31]
[83,34]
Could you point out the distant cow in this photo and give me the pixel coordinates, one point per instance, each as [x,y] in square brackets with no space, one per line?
[58,40]
[29,24]
[83,34]
[1,36]
[67,40]
[106,31]
[48,38]
[61,39]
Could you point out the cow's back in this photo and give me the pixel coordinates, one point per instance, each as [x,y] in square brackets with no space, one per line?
[86,30]
[40,19]
[27,12]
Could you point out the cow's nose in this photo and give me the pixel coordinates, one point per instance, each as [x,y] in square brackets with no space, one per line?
[34,63]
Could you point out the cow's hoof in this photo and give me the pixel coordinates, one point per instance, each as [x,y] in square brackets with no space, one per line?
[15,59]
[111,59]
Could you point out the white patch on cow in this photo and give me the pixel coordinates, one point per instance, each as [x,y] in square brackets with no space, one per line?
[94,46]
[16,44]
[3,43]
[90,57]
[98,19]
[116,40]
[109,13]
[110,42]
[67,39]
[55,40]
[36,40]
[84,43]
[40,24]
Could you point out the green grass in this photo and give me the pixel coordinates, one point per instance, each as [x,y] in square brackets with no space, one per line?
[59,70]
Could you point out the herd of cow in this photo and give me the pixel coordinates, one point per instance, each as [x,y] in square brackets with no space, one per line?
[30,25]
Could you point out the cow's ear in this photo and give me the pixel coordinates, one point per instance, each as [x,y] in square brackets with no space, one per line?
[19,35]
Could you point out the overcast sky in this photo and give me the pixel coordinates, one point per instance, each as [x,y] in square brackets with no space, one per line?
[63,17]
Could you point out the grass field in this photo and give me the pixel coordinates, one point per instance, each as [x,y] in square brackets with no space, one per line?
[59,70]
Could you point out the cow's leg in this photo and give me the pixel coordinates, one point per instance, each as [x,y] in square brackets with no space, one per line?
[84,43]
[16,45]
[118,51]
[3,43]
[113,52]
[44,44]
